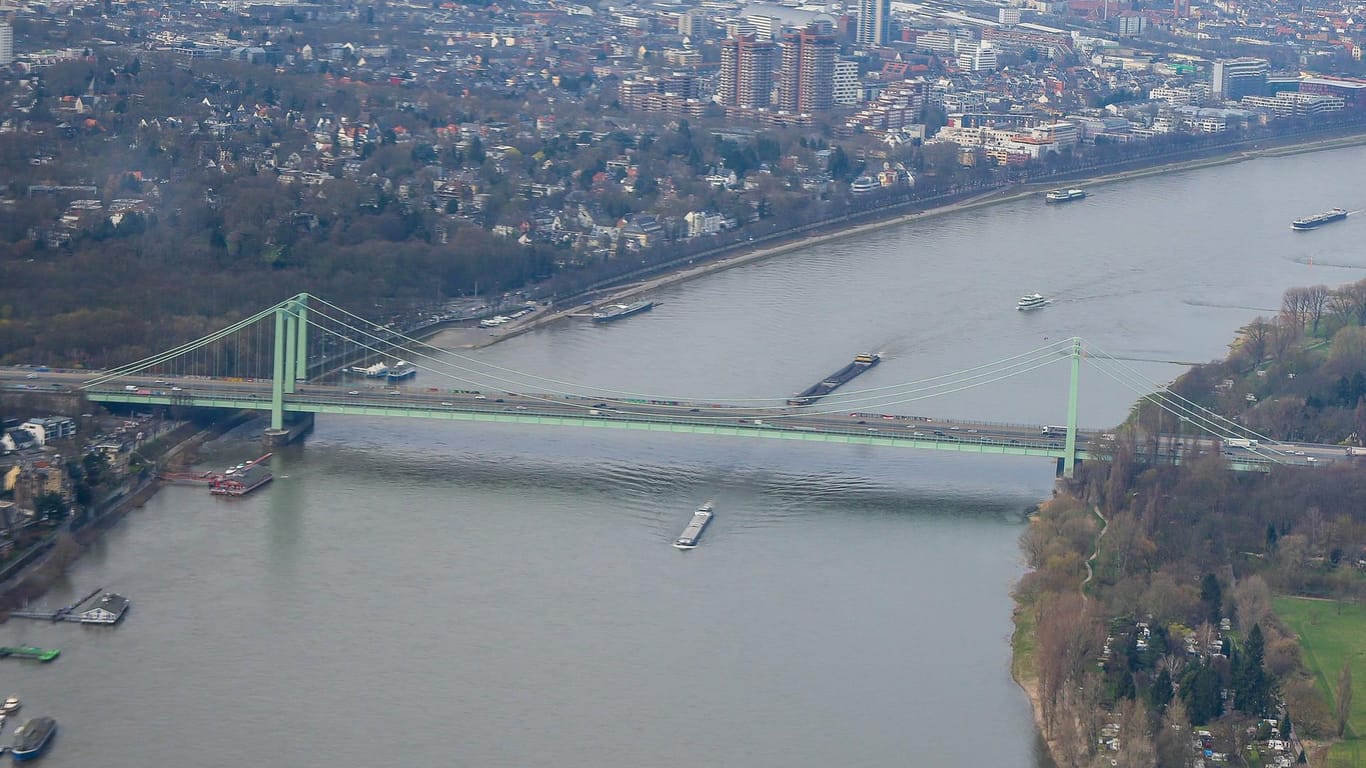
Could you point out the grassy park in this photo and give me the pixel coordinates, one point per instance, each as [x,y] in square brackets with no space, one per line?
[1330,633]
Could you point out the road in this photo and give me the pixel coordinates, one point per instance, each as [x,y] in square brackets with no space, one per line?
[826,416]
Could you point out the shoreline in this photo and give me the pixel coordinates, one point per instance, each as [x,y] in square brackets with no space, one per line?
[740,256]
[34,579]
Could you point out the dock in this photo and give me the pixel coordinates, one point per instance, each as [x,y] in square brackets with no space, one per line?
[835,380]
[29,652]
[109,609]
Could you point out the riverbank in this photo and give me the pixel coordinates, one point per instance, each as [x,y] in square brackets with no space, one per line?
[35,577]
[475,338]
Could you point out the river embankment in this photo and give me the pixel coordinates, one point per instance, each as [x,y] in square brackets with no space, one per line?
[743,254]
[37,570]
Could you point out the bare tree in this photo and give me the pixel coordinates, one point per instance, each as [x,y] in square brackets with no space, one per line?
[1136,746]
[1295,307]
[1352,299]
[1064,643]
[1256,339]
[1252,597]
[1315,303]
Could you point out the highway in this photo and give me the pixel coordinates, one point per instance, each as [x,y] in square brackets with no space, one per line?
[825,417]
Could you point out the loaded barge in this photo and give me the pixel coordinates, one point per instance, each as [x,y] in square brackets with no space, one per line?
[835,380]
[693,532]
[1318,219]
[241,479]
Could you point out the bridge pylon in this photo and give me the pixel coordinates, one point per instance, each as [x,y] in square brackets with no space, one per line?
[291,356]
[1069,459]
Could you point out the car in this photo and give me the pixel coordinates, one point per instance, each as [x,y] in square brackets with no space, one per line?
[480,397]
[1311,459]
[600,405]
[252,395]
[447,404]
[161,381]
[354,392]
[694,410]
[521,407]
[499,400]
[177,389]
[395,392]
[31,376]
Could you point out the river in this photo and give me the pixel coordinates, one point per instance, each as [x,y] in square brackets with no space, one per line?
[421,593]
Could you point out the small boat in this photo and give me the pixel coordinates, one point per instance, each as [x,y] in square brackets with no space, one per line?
[700,518]
[1064,195]
[31,738]
[10,705]
[1031,301]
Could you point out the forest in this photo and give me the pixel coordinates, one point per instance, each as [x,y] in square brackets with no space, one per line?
[1172,629]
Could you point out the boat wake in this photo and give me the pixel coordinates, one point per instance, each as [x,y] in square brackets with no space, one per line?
[1218,305]
[1310,261]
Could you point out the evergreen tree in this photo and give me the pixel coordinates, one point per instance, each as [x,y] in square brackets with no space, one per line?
[1126,689]
[1251,682]
[1212,596]
[1200,691]
[1160,693]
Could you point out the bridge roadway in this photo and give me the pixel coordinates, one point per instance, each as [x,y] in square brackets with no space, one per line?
[818,423]
[814,423]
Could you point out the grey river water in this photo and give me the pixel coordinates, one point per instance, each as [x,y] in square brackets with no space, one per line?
[415,593]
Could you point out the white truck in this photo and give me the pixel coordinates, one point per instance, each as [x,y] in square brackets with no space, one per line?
[1239,442]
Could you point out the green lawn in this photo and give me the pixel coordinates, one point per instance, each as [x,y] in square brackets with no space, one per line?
[1330,633]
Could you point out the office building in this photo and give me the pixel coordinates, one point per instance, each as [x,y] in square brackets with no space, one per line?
[1235,78]
[6,44]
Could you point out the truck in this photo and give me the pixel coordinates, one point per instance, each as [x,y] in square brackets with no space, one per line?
[1356,450]
[1239,442]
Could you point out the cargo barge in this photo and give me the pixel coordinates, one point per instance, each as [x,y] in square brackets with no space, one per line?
[241,479]
[29,652]
[693,532]
[835,380]
[1318,219]
[31,738]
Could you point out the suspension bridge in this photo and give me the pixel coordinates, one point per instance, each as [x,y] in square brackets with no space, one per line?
[288,360]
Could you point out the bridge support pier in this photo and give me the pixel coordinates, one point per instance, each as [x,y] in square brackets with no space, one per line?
[296,425]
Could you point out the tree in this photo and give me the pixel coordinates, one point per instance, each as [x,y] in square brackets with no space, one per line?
[50,506]
[1212,596]
[1257,338]
[1344,701]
